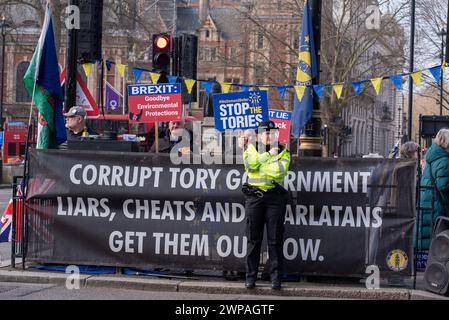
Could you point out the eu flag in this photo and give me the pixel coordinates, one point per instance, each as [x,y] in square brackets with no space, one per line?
[307,70]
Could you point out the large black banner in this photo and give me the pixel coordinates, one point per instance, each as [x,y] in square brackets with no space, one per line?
[140,210]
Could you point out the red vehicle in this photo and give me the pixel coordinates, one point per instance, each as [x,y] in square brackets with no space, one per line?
[14,142]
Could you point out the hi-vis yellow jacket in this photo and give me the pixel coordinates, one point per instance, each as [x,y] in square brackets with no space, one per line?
[264,168]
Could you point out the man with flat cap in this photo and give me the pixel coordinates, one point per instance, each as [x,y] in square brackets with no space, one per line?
[267,164]
[77,129]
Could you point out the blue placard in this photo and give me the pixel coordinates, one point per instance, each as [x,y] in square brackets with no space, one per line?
[240,110]
[1,137]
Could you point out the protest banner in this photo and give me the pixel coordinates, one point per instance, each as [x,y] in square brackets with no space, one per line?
[140,210]
[240,110]
[283,121]
[149,103]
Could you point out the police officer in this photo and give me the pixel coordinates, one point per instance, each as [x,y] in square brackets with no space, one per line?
[266,163]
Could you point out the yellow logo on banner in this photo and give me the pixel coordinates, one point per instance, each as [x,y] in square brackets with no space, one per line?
[303,73]
[397,260]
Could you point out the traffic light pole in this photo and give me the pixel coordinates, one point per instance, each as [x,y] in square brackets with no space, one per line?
[412,66]
[71,66]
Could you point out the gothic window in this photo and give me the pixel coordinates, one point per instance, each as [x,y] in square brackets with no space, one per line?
[259,75]
[21,94]
[260,40]
[233,54]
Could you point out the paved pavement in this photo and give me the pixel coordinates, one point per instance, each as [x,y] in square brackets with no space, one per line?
[27,291]
[49,285]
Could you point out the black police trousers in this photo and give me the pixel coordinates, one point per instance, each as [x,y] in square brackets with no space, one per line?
[270,211]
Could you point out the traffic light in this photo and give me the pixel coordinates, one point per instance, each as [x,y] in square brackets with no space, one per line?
[185,52]
[161,52]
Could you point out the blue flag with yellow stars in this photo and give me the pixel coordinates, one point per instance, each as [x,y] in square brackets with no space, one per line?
[307,70]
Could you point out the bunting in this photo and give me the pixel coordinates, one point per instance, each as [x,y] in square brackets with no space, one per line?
[189,84]
[357,87]
[338,88]
[397,81]
[137,73]
[207,86]
[300,92]
[245,87]
[281,90]
[172,79]
[376,82]
[87,67]
[225,87]
[436,73]
[121,69]
[319,89]
[155,77]
[416,76]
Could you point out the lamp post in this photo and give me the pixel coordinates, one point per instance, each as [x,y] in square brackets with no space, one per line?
[411,69]
[3,27]
[442,34]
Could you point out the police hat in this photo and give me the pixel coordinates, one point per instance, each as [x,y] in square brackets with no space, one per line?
[76,111]
[267,125]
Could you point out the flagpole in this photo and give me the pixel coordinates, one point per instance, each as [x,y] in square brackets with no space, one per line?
[412,66]
[124,91]
[32,103]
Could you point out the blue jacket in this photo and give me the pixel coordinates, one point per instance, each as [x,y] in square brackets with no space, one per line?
[438,158]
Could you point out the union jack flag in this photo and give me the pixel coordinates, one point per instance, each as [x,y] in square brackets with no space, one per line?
[6,220]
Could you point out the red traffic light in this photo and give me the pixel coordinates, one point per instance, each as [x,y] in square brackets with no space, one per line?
[162,42]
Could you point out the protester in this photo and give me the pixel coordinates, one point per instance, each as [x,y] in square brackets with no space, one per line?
[266,163]
[434,187]
[77,129]
[409,150]
[172,136]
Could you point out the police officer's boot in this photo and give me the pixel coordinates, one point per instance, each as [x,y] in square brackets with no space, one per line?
[250,284]
[276,285]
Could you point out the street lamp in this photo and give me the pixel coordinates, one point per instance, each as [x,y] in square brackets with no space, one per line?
[3,26]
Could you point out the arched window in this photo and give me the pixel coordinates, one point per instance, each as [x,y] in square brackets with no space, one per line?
[21,94]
